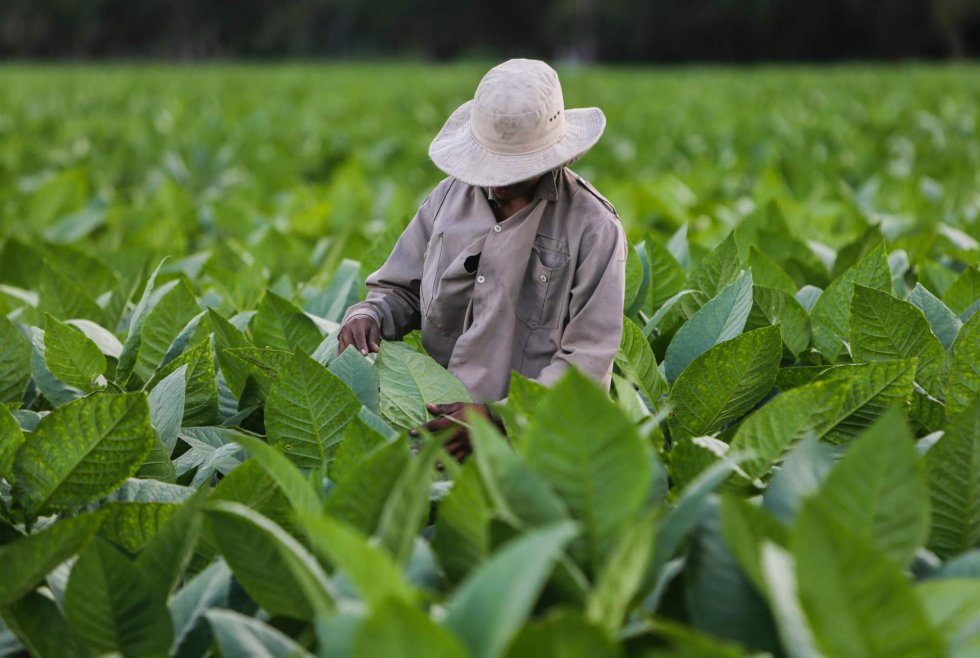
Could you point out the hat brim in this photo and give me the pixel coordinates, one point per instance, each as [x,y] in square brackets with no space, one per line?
[456,151]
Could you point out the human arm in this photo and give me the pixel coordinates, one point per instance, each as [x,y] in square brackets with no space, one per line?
[392,303]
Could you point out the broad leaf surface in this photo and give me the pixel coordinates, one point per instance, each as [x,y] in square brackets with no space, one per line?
[858,602]
[83,450]
[830,312]
[273,567]
[884,328]
[954,485]
[963,368]
[489,607]
[71,356]
[113,606]
[775,428]
[725,382]
[307,410]
[721,318]
[409,381]
[592,456]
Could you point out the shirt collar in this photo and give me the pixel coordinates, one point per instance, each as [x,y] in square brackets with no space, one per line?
[547,187]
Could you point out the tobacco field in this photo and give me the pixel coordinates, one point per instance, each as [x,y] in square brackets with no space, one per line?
[787,463]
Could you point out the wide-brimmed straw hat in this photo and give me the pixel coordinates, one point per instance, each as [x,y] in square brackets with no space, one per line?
[515,128]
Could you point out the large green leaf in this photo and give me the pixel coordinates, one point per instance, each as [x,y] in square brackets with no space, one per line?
[358,373]
[166,402]
[943,321]
[279,324]
[162,325]
[226,337]
[781,588]
[637,279]
[275,569]
[725,382]
[409,381]
[167,553]
[636,361]
[514,491]
[462,535]
[71,356]
[830,313]
[489,607]
[38,622]
[240,635]
[718,269]
[878,490]
[127,359]
[11,439]
[284,473]
[83,450]
[395,629]
[775,428]
[884,328]
[767,272]
[771,306]
[113,606]
[53,389]
[407,506]
[872,389]
[592,456]
[307,410]
[201,389]
[954,485]
[15,362]
[964,291]
[360,498]
[372,572]
[208,589]
[359,439]
[963,376]
[746,527]
[666,274]
[721,318]
[130,526]
[260,367]
[28,560]
[720,598]
[63,297]
[622,574]
[858,601]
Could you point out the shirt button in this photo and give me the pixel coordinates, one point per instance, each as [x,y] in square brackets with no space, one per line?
[481,279]
[543,278]
[496,228]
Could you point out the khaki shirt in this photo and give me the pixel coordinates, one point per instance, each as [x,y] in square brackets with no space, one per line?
[534,293]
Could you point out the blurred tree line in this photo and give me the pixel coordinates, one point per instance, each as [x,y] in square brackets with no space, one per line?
[610,30]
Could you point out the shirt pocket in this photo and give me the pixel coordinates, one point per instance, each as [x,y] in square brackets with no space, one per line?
[453,293]
[541,299]
[430,272]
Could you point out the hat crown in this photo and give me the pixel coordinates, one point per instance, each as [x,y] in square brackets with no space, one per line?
[518,108]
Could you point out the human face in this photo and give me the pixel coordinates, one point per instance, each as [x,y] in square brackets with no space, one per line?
[515,190]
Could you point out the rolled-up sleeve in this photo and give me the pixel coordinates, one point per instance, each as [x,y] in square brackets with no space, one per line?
[592,335]
[393,291]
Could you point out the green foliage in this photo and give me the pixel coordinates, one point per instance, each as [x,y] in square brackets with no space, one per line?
[725,382]
[83,450]
[768,474]
[307,410]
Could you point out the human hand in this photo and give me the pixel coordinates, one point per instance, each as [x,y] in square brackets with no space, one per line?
[454,415]
[362,332]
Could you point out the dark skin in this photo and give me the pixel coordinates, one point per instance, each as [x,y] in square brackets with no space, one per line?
[364,334]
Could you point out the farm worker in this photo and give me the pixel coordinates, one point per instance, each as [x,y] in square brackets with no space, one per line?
[513,262]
